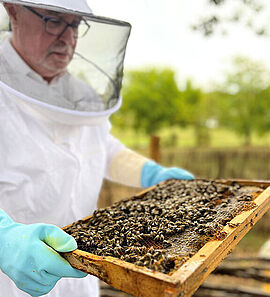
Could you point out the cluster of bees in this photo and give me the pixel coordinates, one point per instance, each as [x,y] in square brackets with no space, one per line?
[162,228]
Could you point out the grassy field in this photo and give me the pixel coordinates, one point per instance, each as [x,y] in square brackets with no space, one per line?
[219,138]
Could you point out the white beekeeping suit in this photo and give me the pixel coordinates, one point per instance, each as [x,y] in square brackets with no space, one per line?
[56,145]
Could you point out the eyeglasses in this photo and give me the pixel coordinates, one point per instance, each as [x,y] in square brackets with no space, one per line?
[57,26]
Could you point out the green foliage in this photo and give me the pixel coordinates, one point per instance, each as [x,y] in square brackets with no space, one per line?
[150,100]
[244,99]
[191,103]
[224,15]
[263,123]
[198,109]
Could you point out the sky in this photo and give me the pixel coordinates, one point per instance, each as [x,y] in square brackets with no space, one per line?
[161,36]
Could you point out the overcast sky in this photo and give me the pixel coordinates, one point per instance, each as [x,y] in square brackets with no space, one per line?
[161,35]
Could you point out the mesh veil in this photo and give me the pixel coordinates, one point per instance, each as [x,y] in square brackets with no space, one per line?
[96,68]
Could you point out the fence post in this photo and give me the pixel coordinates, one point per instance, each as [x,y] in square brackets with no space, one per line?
[155,153]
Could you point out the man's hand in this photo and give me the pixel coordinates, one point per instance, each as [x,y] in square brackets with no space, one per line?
[29,255]
[153,173]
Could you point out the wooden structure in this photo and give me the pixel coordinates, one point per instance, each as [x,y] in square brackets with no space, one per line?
[154,148]
[142,282]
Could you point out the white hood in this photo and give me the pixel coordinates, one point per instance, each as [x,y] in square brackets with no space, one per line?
[65,6]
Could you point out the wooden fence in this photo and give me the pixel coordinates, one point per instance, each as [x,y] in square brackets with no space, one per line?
[246,163]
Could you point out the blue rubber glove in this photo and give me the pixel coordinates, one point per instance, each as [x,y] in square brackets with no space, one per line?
[153,173]
[28,255]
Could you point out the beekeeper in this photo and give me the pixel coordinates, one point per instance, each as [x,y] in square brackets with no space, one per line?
[56,145]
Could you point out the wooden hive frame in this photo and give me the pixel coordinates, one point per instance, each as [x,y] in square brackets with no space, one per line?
[142,282]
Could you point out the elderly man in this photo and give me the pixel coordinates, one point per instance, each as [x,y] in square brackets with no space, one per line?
[56,145]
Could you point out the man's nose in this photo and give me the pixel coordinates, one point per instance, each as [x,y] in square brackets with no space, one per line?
[68,36]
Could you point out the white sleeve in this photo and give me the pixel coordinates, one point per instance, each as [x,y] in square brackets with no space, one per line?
[124,165]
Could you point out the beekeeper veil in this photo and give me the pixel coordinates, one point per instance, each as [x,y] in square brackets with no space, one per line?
[96,68]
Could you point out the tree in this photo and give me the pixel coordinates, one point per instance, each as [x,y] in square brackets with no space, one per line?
[244,98]
[199,110]
[263,123]
[248,13]
[149,98]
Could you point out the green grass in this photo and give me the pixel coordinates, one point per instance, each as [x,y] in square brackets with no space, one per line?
[252,242]
[185,138]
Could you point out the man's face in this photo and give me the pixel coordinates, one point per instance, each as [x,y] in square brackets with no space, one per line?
[48,55]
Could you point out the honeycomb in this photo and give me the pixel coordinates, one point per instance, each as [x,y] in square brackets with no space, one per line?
[164,227]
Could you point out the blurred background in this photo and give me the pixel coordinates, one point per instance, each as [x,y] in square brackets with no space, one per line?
[196,94]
